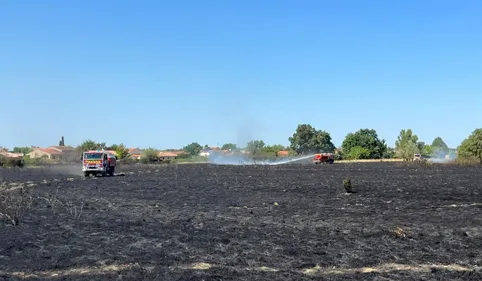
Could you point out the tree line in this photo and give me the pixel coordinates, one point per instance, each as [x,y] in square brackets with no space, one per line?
[362,144]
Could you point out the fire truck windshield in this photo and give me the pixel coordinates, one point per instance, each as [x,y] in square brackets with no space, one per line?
[92,156]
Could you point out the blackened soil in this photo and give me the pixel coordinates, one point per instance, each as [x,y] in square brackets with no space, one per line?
[248,223]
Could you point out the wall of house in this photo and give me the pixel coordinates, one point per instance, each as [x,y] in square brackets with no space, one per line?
[39,154]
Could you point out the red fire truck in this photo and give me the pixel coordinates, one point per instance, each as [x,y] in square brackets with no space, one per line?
[98,162]
[324,158]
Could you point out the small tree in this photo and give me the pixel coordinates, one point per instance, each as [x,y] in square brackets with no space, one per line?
[193,148]
[121,150]
[150,155]
[255,146]
[228,146]
[406,144]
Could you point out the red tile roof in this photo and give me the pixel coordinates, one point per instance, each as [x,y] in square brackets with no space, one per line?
[49,150]
[62,148]
[167,154]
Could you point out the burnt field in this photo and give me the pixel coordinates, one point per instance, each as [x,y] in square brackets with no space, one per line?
[203,222]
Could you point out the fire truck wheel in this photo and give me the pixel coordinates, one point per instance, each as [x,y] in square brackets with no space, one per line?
[86,174]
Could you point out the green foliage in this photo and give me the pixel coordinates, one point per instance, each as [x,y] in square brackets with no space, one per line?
[273,150]
[365,138]
[358,152]
[91,145]
[24,150]
[11,162]
[149,155]
[471,147]
[121,150]
[228,146]
[426,150]
[439,144]
[389,153]
[439,148]
[307,139]
[406,145]
[193,148]
[255,146]
[62,141]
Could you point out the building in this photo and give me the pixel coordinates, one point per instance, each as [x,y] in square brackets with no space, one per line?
[45,153]
[167,156]
[135,153]
[283,153]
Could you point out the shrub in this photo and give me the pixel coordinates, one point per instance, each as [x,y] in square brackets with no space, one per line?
[14,204]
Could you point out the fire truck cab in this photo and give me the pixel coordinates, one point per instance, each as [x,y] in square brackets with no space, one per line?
[95,162]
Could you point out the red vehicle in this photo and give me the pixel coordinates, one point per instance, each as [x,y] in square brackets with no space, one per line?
[324,158]
[95,162]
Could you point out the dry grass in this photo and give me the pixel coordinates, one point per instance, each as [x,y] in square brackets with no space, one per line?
[15,201]
[369,160]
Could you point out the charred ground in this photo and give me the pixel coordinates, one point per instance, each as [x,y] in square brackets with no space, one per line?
[289,222]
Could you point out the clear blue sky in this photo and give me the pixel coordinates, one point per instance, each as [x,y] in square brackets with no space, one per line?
[166,73]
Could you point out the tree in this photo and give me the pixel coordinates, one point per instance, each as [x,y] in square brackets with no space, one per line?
[427,150]
[471,147]
[274,148]
[121,150]
[368,139]
[62,141]
[406,144]
[439,147]
[228,146]
[255,146]
[92,145]
[24,150]
[359,152]
[149,155]
[193,148]
[306,139]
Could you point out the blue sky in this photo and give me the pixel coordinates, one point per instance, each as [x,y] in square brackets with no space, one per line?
[166,73]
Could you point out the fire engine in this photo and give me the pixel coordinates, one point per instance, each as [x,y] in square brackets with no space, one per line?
[324,158]
[95,162]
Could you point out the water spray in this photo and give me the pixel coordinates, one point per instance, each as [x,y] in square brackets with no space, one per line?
[238,159]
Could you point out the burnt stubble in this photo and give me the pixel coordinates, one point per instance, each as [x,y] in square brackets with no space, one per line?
[287,222]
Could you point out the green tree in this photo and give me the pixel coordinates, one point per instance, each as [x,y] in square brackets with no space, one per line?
[193,148]
[92,145]
[439,147]
[306,139]
[255,146]
[228,146]
[150,155]
[121,150]
[62,141]
[427,151]
[390,153]
[358,152]
[471,147]
[24,150]
[368,139]
[406,144]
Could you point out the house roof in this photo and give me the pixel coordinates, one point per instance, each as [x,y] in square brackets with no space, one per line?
[48,150]
[283,152]
[167,154]
[132,149]
[10,154]
[62,148]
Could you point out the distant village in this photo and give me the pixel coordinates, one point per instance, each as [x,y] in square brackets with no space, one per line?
[63,152]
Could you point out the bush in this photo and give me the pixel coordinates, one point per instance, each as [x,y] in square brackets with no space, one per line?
[11,162]
[14,204]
